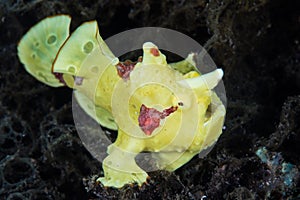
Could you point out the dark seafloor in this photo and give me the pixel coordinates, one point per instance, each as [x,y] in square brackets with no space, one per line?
[255,42]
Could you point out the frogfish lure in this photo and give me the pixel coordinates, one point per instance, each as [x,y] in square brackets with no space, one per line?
[167,109]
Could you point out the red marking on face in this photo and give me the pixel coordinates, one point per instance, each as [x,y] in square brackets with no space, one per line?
[149,118]
[124,69]
[154,51]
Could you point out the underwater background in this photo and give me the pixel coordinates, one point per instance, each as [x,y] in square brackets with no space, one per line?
[255,42]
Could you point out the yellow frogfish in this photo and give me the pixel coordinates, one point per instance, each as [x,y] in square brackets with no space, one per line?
[163,109]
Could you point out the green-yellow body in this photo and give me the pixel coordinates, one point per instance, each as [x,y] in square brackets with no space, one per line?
[115,102]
